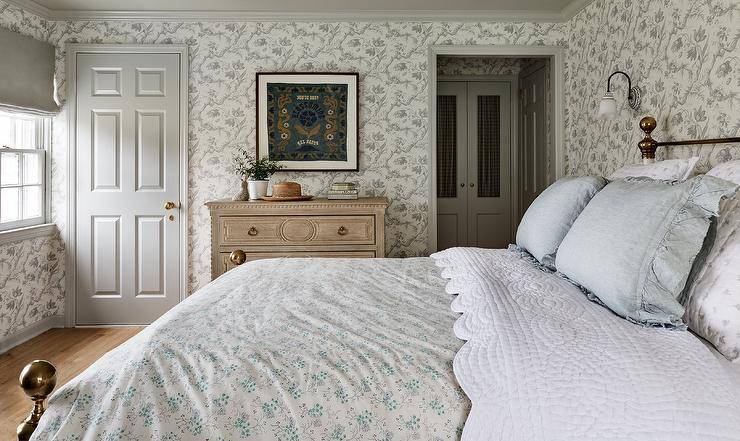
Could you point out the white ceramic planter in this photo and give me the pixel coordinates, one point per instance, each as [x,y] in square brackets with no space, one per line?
[257,189]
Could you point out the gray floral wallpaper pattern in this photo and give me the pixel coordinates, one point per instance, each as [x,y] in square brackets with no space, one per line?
[391,58]
[683,53]
[447,65]
[31,282]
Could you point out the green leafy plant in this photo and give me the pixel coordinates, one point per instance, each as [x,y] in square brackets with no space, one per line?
[248,166]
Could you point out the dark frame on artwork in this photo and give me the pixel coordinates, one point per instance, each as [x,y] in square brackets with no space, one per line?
[356,76]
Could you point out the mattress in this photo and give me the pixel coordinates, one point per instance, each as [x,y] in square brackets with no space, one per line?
[287,349]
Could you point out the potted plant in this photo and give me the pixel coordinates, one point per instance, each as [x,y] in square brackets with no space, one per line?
[255,172]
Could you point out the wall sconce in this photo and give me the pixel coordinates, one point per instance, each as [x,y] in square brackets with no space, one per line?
[608,105]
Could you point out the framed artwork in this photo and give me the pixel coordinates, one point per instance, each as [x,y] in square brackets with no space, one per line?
[308,121]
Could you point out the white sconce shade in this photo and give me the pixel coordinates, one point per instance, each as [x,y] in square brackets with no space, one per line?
[608,107]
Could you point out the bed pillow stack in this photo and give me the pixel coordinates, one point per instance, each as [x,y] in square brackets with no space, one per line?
[550,216]
[712,298]
[634,244]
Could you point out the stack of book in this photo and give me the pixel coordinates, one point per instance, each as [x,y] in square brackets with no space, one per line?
[343,190]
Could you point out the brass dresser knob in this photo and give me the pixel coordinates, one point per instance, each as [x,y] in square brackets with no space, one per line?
[237,257]
[342,231]
[252,231]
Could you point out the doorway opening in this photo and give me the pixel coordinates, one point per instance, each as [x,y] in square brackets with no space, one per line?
[496,133]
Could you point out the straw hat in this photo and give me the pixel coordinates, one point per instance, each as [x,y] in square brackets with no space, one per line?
[286,189]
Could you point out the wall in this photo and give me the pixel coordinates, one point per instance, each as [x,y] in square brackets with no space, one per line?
[479,65]
[685,56]
[31,283]
[224,56]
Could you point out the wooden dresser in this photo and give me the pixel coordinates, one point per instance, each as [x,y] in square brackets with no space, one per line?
[245,231]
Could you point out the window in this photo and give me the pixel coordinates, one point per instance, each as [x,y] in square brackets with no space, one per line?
[23,139]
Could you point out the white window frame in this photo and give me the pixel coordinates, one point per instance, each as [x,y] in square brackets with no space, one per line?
[43,139]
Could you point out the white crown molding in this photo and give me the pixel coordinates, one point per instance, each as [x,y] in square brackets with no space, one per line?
[348,15]
[574,7]
[33,7]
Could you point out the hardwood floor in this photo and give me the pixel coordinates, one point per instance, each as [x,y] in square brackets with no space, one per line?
[70,350]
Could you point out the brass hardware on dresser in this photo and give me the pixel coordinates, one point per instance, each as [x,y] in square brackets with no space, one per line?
[237,257]
[242,231]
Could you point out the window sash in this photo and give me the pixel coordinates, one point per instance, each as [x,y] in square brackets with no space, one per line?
[41,140]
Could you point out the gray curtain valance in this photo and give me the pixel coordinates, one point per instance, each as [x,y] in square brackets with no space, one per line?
[26,73]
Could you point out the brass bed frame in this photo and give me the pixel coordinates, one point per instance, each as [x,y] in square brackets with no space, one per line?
[648,145]
[38,378]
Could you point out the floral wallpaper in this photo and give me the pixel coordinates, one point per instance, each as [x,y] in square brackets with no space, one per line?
[391,58]
[447,65]
[683,53]
[31,282]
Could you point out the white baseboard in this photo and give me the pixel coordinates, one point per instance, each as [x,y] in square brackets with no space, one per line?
[10,341]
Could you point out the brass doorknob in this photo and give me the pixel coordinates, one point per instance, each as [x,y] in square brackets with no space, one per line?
[169,205]
[342,231]
[237,257]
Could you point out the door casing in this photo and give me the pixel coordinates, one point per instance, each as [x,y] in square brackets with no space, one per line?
[70,235]
[556,55]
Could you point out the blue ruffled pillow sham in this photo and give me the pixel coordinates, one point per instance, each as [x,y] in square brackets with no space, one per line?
[635,242]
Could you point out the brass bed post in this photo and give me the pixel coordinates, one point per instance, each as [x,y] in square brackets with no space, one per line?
[38,380]
[648,145]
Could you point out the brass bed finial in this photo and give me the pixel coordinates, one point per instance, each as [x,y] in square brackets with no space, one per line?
[38,380]
[648,145]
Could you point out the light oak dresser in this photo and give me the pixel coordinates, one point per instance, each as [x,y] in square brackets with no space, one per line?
[251,230]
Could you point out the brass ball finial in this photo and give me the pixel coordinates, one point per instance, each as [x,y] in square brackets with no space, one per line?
[648,124]
[38,379]
[648,145]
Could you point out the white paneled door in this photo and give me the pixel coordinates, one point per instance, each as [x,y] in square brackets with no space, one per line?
[128,187]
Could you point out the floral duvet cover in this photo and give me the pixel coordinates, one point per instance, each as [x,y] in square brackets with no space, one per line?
[281,349]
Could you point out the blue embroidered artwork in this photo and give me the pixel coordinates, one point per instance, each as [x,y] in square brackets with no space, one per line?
[307,122]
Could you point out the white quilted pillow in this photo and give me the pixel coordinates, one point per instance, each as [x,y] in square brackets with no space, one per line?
[669,170]
[729,171]
[713,299]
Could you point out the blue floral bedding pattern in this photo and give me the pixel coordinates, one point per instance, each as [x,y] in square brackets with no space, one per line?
[284,349]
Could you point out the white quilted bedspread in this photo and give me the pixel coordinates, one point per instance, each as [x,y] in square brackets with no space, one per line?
[542,362]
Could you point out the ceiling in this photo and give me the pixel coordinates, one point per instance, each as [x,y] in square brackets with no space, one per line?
[530,10]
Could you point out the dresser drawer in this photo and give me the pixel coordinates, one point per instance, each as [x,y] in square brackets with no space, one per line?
[315,228]
[226,263]
[296,230]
